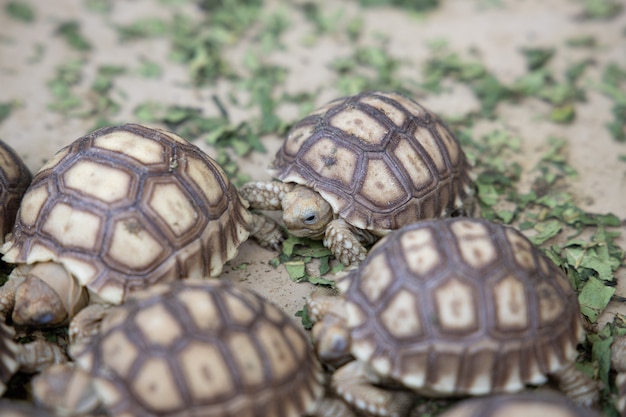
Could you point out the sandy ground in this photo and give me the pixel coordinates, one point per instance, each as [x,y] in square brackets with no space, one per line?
[494,30]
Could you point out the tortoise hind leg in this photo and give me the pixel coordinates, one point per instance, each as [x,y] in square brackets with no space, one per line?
[354,383]
[577,386]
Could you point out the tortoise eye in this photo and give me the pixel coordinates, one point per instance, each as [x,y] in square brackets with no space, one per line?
[311,219]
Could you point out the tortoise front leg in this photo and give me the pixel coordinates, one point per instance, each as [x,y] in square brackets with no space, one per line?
[265,195]
[354,383]
[343,243]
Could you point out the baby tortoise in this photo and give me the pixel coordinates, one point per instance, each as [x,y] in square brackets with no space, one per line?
[450,307]
[361,166]
[116,211]
[189,348]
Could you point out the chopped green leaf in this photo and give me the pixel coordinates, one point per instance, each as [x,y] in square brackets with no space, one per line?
[583,41]
[20,11]
[563,114]
[150,69]
[146,27]
[307,323]
[70,31]
[545,231]
[594,297]
[601,353]
[537,57]
[6,109]
[296,270]
[602,9]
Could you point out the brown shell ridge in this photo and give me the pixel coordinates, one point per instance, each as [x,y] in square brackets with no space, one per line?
[438,195]
[232,227]
[505,356]
[294,392]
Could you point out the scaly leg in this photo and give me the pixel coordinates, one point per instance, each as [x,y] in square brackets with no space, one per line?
[343,243]
[265,195]
[354,383]
[266,231]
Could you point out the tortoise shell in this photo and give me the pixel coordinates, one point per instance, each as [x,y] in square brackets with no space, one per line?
[461,306]
[547,403]
[14,179]
[201,347]
[129,206]
[380,160]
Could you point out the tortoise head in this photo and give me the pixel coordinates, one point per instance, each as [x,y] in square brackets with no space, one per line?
[306,213]
[331,335]
[332,340]
[47,295]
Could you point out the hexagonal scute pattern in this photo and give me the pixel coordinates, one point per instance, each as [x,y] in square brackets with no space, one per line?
[461,306]
[380,159]
[207,346]
[129,206]
[14,179]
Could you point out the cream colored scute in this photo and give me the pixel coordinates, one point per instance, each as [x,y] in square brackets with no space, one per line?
[401,318]
[250,366]
[119,352]
[32,203]
[204,313]
[509,297]
[158,325]
[415,109]
[145,150]
[99,181]
[296,138]
[206,372]
[205,180]
[380,186]
[474,243]
[432,147]
[419,250]
[331,161]
[238,311]
[71,227]
[396,115]
[413,163]
[156,387]
[376,279]
[451,145]
[357,123]
[132,245]
[521,248]
[551,304]
[173,207]
[277,351]
[456,310]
